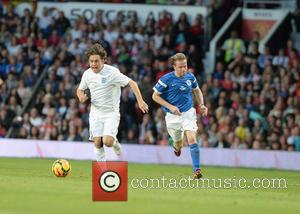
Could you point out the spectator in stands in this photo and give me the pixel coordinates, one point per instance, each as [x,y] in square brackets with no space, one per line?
[35,119]
[45,21]
[196,31]
[73,135]
[62,23]
[252,53]
[34,133]
[265,58]
[294,139]
[23,133]
[11,19]
[146,131]
[219,72]
[233,46]
[256,37]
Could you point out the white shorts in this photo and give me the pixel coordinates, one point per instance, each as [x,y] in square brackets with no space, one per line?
[101,125]
[176,125]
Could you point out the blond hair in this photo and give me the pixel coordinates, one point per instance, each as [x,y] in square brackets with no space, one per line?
[177,57]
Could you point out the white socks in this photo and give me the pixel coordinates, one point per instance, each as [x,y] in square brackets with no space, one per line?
[117,147]
[100,154]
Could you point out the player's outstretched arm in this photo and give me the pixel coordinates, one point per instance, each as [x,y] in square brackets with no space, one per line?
[142,104]
[200,101]
[157,98]
[81,96]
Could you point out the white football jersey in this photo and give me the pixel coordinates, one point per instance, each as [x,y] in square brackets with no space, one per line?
[105,87]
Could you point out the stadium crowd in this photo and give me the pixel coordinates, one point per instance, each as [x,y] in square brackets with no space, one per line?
[253,98]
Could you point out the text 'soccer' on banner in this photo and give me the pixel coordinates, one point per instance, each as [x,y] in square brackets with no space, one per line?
[110,181]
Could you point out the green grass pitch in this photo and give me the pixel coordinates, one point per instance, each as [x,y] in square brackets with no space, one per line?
[28,186]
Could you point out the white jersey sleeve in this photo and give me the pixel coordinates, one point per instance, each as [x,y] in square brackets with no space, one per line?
[120,79]
[83,83]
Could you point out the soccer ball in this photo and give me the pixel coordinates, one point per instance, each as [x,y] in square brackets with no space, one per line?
[61,168]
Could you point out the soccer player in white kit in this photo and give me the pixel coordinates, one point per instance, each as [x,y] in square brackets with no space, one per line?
[174,91]
[104,83]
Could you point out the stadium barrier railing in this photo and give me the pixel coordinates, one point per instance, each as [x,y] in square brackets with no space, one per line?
[151,154]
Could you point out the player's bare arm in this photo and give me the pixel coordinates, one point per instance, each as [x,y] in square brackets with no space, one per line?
[157,98]
[142,104]
[81,96]
[200,101]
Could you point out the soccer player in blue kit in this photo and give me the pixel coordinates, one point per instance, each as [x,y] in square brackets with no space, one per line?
[174,92]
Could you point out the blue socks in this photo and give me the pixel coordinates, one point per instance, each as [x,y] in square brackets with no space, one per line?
[195,155]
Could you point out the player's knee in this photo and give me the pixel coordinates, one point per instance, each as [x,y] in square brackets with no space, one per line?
[108,141]
[97,142]
[191,137]
[178,144]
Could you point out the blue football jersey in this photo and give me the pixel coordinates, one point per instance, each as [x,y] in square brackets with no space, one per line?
[177,90]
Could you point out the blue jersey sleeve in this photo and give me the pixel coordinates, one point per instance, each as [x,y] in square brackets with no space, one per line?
[161,85]
[194,82]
